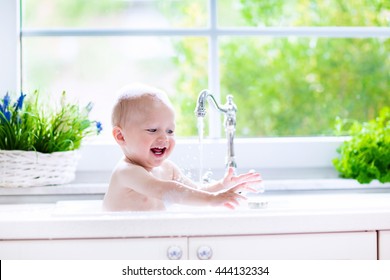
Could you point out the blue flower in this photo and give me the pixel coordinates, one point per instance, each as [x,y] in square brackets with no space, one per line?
[99,127]
[19,103]
[6,101]
[5,113]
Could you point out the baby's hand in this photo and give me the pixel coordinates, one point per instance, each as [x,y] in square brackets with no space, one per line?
[228,198]
[242,181]
[234,184]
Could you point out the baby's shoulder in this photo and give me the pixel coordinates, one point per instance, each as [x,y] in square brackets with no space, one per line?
[170,166]
[124,168]
[170,169]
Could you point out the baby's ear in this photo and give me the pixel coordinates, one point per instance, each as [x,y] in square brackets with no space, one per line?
[118,136]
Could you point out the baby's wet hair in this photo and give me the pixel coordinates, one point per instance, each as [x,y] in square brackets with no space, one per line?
[130,97]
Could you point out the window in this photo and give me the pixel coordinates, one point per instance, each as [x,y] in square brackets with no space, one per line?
[292,66]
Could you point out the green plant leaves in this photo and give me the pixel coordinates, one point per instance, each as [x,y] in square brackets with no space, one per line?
[366,156]
[36,126]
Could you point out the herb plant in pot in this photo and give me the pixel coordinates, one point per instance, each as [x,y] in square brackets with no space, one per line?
[39,142]
[366,155]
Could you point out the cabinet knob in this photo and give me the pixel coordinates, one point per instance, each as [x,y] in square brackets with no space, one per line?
[204,253]
[174,253]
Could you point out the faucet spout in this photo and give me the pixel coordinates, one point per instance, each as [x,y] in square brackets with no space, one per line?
[204,95]
[229,110]
[200,110]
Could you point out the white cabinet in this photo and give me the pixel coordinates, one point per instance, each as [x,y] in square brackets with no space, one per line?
[334,246]
[353,245]
[384,244]
[126,249]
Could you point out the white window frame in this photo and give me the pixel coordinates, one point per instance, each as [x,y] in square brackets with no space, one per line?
[259,153]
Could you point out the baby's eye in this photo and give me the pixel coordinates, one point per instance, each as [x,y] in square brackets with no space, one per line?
[151,130]
[170,131]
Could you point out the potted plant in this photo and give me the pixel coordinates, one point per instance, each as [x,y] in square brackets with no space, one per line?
[39,141]
[366,155]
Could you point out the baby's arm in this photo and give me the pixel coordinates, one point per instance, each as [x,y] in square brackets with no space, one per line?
[175,192]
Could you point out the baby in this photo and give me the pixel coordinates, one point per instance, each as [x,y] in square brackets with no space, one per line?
[143,122]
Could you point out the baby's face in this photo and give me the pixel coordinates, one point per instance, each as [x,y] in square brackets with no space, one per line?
[149,134]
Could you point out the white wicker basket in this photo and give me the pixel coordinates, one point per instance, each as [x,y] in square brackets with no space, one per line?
[30,169]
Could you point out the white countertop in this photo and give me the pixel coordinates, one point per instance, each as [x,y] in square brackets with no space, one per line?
[303,212]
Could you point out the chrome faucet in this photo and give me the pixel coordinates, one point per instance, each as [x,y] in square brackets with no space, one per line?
[229,110]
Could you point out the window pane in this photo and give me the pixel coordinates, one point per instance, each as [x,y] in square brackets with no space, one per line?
[93,69]
[298,86]
[114,13]
[283,86]
[304,13]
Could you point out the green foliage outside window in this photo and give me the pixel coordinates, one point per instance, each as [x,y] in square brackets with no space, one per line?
[297,86]
[283,86]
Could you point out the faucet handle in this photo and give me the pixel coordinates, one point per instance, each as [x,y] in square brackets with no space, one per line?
[230,105]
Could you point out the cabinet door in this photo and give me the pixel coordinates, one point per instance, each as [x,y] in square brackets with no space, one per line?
[354,245]
[134,248]
[384,244]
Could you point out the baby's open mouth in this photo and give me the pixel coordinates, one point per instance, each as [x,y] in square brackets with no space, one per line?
[158,151]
